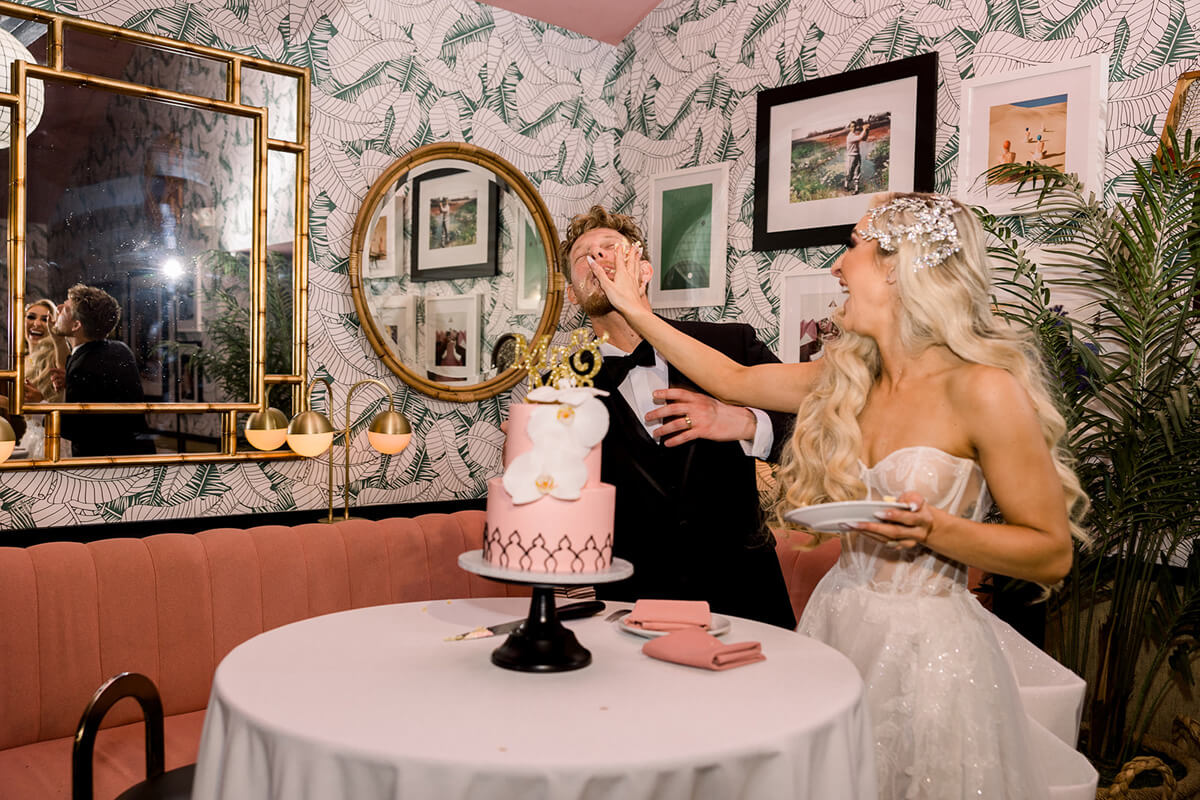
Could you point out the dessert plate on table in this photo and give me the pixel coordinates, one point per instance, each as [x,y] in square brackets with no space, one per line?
[830,517]
[719,625]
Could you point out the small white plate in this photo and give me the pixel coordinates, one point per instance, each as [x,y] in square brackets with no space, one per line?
[718,626]
[829,517]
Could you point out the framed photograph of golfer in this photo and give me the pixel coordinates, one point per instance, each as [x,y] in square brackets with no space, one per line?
[1052,114]
[824,146]
[687,236]
[454,225]
[452,338]
[806,314]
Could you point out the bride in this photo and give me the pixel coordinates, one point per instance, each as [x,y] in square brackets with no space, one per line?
[928,397]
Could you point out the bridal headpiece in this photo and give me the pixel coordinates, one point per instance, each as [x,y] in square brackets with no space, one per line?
[934,228]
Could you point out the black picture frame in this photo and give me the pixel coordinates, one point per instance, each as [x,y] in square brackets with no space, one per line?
[435,255]
[790,212]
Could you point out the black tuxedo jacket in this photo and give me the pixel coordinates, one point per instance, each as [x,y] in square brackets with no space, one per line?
[104,371]
[689,517]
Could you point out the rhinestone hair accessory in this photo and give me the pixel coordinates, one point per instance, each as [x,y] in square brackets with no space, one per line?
[934,228]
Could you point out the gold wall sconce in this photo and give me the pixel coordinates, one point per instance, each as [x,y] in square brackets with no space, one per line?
[310,433]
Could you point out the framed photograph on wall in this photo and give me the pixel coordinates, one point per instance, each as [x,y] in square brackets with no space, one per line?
[531,273]
[824,146]
[1053,114]
[688,230]
[400,326]
[809,300]
[452,338]
[382,256]
[454,225]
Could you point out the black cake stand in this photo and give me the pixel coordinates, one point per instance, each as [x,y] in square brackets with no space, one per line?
[542,644]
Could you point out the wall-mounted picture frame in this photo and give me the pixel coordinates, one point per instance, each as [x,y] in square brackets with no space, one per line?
[454,225]
[531,272]
[399,322]
[452,338]
[824,147]
[805,316]
[382,253]
[1054,114]
[688,230]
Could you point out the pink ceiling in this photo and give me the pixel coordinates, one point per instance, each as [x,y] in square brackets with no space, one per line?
[604,20]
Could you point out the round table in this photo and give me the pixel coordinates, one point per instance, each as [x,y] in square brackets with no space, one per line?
[374,703]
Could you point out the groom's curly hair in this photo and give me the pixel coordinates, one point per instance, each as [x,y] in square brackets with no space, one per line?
[598,217]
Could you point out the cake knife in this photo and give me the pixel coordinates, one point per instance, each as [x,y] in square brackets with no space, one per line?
[587,608]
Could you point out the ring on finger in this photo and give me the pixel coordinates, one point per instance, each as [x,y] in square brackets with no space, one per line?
[687,419]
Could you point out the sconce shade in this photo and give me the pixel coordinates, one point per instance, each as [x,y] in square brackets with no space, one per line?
[389,432]
[8,439]
[12,50]
[310,434]
[267,430]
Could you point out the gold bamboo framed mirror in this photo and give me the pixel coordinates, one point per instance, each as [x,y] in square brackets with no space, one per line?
[174,177]
[453,252]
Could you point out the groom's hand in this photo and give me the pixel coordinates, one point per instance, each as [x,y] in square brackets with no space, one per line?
[691,415]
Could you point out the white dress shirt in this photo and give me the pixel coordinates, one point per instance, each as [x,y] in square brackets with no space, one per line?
[639,387]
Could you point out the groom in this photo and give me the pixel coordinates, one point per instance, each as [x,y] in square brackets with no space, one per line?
[688,514]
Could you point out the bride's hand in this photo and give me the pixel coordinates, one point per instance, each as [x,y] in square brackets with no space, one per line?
[902,528]
[626,288]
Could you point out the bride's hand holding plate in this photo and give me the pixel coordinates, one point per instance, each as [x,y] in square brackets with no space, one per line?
[899,527]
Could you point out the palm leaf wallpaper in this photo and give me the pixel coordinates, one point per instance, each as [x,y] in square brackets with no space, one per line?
[588,122]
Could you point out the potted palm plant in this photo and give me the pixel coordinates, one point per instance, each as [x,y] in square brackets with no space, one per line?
[1127,367]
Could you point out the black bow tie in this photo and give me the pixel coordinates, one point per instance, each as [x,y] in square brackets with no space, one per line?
[617,367]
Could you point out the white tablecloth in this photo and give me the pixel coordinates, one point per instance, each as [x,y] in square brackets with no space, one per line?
[373,703]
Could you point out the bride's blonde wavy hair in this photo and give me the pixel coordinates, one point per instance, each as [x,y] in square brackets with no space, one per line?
[947,304]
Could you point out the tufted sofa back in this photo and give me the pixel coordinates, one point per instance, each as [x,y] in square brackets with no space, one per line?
[172,605]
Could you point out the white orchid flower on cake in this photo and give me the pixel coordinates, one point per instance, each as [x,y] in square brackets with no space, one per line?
[567,416]
[542,471]
[565,425]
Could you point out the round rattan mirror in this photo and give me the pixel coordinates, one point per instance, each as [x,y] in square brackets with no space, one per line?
[452,250]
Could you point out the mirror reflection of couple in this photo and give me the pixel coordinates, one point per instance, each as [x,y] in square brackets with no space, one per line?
[70,359]
[938,686]
[451,346]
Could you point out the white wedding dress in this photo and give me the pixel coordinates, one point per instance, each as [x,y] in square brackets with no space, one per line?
[941,672]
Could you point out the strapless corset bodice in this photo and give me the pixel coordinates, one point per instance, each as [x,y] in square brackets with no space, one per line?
[955,485]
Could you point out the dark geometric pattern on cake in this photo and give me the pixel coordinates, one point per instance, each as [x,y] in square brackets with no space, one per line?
[509,553]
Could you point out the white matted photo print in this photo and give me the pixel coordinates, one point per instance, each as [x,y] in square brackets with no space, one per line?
[806,314]
[382,258]
[1053,114]
[452,338]
[687,236]
[400,326]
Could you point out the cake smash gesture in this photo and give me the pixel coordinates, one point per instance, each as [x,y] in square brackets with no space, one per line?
[928,398]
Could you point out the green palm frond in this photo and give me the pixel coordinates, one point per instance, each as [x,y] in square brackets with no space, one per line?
[1129,383]
[1065,27]
[769,14]
[467,30]
[1022,17]
[1178,44]
[804,67]
[897,40]
[312,52]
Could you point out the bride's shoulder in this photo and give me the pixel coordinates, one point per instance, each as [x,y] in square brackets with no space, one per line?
[979,387]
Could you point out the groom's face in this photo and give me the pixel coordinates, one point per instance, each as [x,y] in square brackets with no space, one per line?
[602,244]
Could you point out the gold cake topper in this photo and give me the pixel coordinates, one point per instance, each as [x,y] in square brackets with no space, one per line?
[562,365]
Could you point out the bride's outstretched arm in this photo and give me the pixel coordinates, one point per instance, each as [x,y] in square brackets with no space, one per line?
[773,387]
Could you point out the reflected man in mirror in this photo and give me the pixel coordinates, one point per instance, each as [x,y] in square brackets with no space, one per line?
[688,514]
[99,370]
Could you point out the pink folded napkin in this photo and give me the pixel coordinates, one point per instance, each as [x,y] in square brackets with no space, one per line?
[669,615]
[695,648]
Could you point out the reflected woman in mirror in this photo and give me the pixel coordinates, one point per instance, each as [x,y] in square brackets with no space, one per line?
[930,399]
[45,352]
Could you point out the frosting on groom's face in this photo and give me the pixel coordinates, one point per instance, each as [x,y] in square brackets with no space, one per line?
[602,245]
